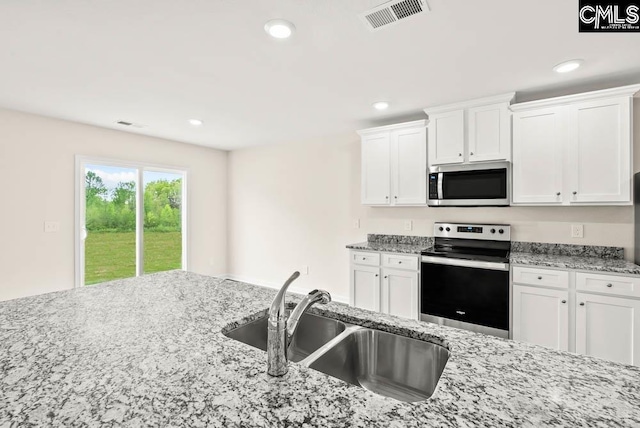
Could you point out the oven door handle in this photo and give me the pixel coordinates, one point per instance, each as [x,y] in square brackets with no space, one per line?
[465,263]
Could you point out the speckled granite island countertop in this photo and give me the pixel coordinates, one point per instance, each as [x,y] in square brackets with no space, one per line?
[149,352]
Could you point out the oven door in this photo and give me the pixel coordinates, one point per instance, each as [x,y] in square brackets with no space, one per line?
[467,291]
[488,185]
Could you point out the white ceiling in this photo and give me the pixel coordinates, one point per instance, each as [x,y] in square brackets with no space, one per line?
[161,62]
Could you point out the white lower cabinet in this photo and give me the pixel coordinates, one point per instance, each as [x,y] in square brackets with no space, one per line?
[541,316]
[608,327]
[551,307]
[365,287]
[391,287]
[400,293]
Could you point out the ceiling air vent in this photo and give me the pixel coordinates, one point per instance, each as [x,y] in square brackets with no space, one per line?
[125,123]
[392,12]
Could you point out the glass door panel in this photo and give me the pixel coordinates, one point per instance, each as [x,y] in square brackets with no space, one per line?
[162,221]
[110,223]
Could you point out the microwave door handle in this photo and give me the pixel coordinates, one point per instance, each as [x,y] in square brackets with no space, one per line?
[440,185]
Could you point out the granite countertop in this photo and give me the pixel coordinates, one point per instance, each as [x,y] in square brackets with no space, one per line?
[388,247]
[150,351]
[576,262]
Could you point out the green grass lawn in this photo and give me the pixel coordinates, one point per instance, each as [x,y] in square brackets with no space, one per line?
[110,256]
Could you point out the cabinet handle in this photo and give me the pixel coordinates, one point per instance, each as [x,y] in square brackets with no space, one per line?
[539,277]
[399,262]
[385,277]
[471,154]
[386,197]
[564,301]
[364,258]
[581,303]
[575,193]
[557,193]
[396,197]
[459,154]
[609,285]
[376,275]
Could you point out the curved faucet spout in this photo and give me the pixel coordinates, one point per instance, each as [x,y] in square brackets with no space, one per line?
[316,296]
[280,331]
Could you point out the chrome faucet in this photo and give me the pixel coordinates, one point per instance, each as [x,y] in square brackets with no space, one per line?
[280,331]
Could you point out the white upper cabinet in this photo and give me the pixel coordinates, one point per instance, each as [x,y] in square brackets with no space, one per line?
[446,137]
[375,169]
[489,133]
[394,164]
[471,131]
[574,150]
[537,157]
[600,151]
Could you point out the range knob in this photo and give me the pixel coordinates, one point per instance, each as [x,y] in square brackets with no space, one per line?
[448,229]
[441,228]
[501,231]
[493,231]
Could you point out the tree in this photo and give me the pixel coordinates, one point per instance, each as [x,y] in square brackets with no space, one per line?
[124,194]
[94,186]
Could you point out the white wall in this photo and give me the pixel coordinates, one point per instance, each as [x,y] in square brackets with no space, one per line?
[292,205]
[37,161]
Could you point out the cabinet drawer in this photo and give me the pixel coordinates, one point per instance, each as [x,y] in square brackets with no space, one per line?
[545,277]
[610,284]
[365,258]
[399,261]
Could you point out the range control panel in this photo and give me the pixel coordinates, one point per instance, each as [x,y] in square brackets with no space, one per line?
[493,232]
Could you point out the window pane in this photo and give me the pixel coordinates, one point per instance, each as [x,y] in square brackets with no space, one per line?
[110,220]
[162,221]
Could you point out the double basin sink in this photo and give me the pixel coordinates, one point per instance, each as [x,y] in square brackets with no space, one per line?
[384,363]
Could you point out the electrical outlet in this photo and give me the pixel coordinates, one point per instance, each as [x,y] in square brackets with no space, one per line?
[51,226]
[356,223]
[304,270]
[408,225]
[577,231]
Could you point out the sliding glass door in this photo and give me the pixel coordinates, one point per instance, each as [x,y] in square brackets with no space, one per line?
[130,220]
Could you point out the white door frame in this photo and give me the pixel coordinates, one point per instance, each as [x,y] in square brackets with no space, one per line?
[80,208]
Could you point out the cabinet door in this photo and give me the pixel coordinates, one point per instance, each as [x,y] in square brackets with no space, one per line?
[489,133]
[375,169]
[365,287]
[599,156]
[400,293]
[409,166]
[541,316]
[446,137]
[539,137]
[608,327]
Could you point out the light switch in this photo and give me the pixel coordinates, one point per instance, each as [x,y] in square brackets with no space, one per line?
[356,223]
[408,225]
[51,226]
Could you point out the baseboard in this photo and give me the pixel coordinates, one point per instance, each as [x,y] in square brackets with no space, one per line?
[268,284]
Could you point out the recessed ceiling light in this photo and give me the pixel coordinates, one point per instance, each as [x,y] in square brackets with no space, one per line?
[196,122]
[380,105]
[279,28]
[567,66]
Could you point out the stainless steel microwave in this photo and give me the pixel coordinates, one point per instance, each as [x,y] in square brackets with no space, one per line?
[479,185]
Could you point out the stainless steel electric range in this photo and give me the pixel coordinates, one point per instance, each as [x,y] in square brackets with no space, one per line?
[465,278]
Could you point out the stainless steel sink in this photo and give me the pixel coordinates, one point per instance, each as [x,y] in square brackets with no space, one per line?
[388,364]
[385,363]
[313,332]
